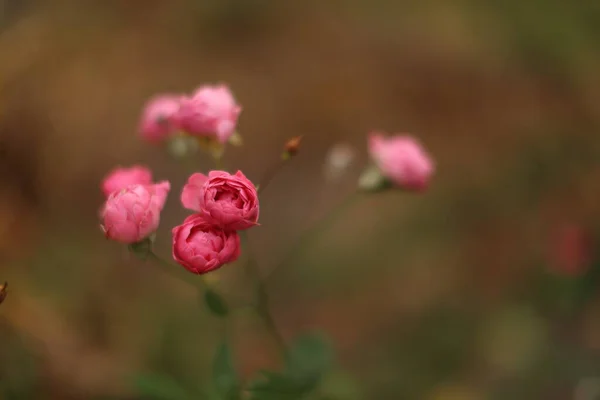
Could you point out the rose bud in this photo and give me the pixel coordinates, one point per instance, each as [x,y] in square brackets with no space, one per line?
[201,247]
[211,112]
[338,160]
[132,214]
[156,123]
[402,160]
[120,178]
[291,147]
[228,201]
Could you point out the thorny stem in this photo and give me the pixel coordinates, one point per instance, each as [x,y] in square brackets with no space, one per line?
[311,234]
[262,305]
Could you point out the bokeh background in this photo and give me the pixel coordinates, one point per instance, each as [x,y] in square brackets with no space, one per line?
[485,287]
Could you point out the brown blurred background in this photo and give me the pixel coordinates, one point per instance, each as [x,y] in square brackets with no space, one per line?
[486,287]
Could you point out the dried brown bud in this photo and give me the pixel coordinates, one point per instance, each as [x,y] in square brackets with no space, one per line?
[292,147]
[3,291]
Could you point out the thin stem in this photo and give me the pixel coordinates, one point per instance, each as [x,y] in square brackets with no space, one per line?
[199,282]
[265,314]
[219,163]
[269,174]
[311,234]
[289,151]
[262,305]
[172,269]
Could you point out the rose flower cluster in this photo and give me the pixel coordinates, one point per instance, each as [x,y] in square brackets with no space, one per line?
[209,115]
[223,203]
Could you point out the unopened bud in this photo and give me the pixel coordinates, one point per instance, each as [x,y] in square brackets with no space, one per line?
[372,180]
[236,139]
[338,160]
[3,292]
[211,146]
[291,147]
[181,146]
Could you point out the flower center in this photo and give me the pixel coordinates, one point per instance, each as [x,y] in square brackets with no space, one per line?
[230,197]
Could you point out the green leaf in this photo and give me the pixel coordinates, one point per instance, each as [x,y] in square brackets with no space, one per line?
[309,358]
[225,378]
[276,386]
[307,361]
[215,303]
[159,387]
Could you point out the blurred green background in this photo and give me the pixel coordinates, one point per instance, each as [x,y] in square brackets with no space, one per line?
[485,287]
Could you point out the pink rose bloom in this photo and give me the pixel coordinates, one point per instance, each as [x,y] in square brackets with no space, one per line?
[402,160]
[159,192]
[157,118]
[120,178]
[201,247]
[210,112]
[225,200]
[132,214]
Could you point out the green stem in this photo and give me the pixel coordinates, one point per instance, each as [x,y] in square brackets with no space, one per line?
[219,163]
[311,234]
[174,271]
[200,283]
[270,174]
[262,294]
